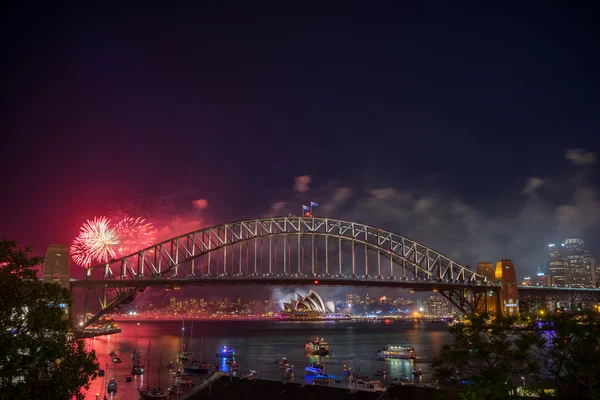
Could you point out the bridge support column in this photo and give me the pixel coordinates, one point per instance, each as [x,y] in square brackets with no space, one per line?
[57,269]
[509,294]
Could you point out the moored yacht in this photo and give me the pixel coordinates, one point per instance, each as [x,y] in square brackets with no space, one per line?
[226,352]
[317,347]
[314,369]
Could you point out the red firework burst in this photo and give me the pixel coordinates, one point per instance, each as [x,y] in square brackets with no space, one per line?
[134,234]
[96,242]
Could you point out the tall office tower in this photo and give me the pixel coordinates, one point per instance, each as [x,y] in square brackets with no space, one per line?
[437,306]
[556,265]
[578,267]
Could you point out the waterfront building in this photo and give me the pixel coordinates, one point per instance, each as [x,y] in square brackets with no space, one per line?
[526,281]
[437,306]
[542,279]
[309,307]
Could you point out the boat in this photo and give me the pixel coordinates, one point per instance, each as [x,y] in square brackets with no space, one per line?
[322,379]
[112,354]
[101,372]
[314,369]
[152,393]
[351,369]
[317,347]
[289,373]
[183,379]
[397,351]
[112,386]
[283,364]
[137,370]
[250,375]
[370,386]
[117,360]
[183,356]
[175,390]
[197,367]
[226,352]
[128,379]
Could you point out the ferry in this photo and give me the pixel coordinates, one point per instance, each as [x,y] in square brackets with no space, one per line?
[318,347]
[314,369]
[226,352]
[397,351]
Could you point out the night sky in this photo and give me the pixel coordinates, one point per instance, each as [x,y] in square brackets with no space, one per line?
[473,130]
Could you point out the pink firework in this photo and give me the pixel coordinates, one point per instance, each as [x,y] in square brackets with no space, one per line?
[96,242]
[134,234]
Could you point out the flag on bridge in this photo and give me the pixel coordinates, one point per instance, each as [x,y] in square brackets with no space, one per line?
[306,211]
[313,204]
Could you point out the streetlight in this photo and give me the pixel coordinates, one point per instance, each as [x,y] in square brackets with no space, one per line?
[523,380]
[97,396]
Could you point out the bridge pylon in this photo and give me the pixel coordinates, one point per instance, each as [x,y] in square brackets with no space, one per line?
[57,269]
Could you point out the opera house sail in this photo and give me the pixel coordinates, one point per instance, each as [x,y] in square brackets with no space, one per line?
[309,308]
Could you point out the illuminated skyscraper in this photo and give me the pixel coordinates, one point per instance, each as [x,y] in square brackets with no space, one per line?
[578,269]
[556,265]
[570,264]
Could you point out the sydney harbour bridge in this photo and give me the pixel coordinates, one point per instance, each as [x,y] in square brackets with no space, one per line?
[301,251]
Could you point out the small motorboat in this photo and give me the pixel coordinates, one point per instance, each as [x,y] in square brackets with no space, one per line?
[117,360]
[226,352]
[289,373]
[128,379]
[112,386]
[283,364]
[175,390]
[183,379]
[112,354]
[170,365]
[314,369]
[101,372]
[137,370]
[250,375]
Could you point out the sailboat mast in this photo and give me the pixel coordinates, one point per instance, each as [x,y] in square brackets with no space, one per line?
[148,366]
[190,343]
[159,364]
[182,329]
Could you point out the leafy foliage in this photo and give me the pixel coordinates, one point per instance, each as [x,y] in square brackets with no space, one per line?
[486,358]
[37,358]
[570,355]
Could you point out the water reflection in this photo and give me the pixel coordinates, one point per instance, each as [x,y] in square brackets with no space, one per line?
[260,345]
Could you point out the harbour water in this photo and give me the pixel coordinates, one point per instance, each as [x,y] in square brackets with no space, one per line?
[258,344]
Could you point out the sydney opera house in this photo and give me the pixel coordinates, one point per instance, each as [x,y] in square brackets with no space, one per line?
[309,308]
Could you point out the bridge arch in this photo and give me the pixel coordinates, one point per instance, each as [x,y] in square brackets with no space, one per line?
[166,257]
[184,257]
